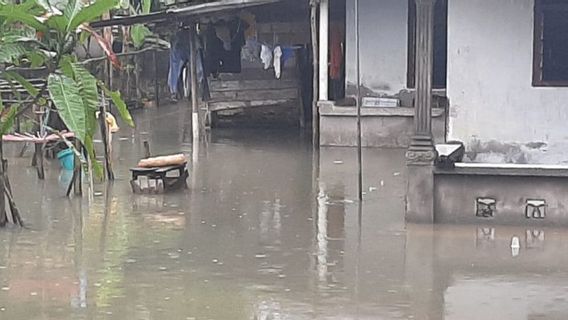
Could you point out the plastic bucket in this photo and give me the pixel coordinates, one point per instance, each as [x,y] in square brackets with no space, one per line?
[66,159]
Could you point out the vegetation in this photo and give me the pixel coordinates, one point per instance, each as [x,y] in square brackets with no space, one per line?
[44,34]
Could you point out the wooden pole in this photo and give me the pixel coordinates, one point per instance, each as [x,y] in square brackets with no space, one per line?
[16,218]
[6,194]
[147,153]
[105,134]
[359,142]
[3,215]
[110,82]
[323,50]
[76,182]
[301,105]
[156,82]
[78,170]
[315,63]
[195,123]
[137,68]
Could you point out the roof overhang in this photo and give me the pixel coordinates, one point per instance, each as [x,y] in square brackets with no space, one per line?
[192,12]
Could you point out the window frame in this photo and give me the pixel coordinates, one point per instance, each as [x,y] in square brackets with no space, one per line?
[540,6]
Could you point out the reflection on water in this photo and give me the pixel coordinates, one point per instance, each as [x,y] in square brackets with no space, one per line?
[264,233]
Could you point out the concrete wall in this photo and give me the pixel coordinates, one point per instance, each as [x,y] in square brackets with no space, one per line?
[455,198]
[490,51]
[381,127]
[383,45]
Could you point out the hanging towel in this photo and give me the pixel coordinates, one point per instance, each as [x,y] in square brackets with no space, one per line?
[251,51]
[266,56]
[278,62]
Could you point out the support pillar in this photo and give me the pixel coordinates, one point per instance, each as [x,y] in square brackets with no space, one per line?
[195,123]
[421,153]
[323,50]
[315,69]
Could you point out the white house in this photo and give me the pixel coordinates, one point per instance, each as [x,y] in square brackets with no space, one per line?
[502,65]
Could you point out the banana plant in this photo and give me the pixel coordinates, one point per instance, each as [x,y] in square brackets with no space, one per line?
[44,33]
[139,32]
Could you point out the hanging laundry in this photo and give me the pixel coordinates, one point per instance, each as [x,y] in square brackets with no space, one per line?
[219,59]
[179,58]
[266,56]
[336,52]
[278,62]
[224,34]
[251,51]
[287,54]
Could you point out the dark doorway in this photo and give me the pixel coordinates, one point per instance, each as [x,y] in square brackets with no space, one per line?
[440,44]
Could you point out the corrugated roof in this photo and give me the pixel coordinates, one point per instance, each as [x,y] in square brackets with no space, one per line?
[201,10]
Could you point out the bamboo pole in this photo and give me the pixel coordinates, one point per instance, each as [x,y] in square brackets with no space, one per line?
[315,54]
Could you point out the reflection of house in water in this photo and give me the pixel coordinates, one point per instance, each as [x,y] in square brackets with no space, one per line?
[330,235]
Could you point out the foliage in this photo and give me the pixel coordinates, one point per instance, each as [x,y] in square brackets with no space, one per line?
[139,32]
[45,33]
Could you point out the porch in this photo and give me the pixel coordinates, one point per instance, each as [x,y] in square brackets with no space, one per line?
[491,98]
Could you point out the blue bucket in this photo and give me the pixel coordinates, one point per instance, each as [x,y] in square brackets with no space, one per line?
[66,159]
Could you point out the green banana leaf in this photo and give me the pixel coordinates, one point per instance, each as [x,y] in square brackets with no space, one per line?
[11,52]
[64,93]
[7,122]
[139,33]
[91,12]
[21,13]
[120,105]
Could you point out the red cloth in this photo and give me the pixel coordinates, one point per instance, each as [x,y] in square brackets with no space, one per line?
[336,52]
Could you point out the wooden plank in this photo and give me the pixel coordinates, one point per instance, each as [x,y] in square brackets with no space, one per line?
[258,73]
[227,105]
[255,94]
[234,85]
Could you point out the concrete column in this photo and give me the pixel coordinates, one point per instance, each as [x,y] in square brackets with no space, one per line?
[195,125]
[323,50]
[421,153]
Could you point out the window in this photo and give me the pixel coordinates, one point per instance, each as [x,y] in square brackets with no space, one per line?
[440,44]
[550,65]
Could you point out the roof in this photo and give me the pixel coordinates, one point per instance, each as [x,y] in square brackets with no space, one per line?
[191,11]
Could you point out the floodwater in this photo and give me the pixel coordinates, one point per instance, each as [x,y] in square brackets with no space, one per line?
[267,231]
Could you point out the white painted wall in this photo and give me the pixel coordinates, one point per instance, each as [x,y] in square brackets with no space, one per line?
[490,51]
[383,44]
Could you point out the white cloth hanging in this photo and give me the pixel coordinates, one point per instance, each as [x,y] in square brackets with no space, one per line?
[278,62]
[266,56]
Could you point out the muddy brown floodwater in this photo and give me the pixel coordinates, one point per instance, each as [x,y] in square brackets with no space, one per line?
[266,231]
